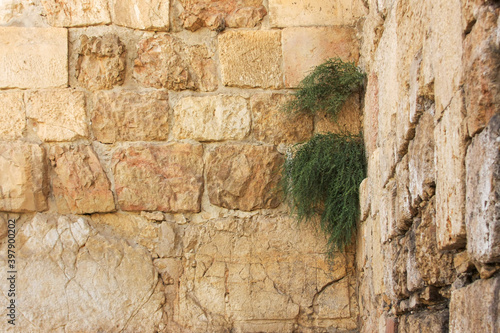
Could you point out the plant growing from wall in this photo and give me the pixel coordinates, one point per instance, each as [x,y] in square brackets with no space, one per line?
[322,176]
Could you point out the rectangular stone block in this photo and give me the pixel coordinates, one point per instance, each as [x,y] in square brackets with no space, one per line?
[76,13]
[12,115]
[166,178]
[212,118]
[22,180]
[141,14]
[251,59]
[58,114]
[483,194]
[33,57]
[130,116]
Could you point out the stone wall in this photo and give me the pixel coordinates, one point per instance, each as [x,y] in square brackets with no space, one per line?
[428,244]
[140,147]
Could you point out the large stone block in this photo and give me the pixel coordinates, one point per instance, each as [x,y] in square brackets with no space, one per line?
[164,61]
[370,115]
[212,118]
[12,115]
[145,15]
[23,178]
[243,177]
[251,59]
[76,13]
[424,322]
[33,57]
[475,308]
[349,119]
[166,178]
[483,194]
[305,48]
[272,125]
[101,62]
[130,115]
[79,183]
[58,114]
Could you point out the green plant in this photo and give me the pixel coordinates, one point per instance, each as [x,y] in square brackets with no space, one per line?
[326,88]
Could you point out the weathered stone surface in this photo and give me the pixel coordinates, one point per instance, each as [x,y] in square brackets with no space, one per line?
[305,48]
[12,115]
[450,144]
[370,114]
[483,194]
[243,177]
[251,59]
[76,13]
[219,14]
[166,178]
[83,280]
[143,14]
[21,13]
[57,114]
[364,199]
[33,57]
[475,308]
[348,119]
[424,322]
[404,210]
[101,62]
[79,183]
[271,125]
[212,118]
[387,211]
[288,13]
[130,116]
[164,61]
[22,181]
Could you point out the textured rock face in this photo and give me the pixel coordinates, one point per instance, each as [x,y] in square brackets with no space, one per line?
[171,177]
[164,61]
[33,57]
[79,183]
[140,14]
[13,115]
[130,116]
[75,13]
[101,62]
[243,177]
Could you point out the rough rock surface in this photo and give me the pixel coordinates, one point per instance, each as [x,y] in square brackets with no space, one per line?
[13,115]
[76,13]
[142,14]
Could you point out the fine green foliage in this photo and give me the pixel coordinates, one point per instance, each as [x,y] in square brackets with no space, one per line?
[322,177]
[326,88]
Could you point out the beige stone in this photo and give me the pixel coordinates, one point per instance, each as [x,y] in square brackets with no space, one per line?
[251,59]
[424,322]
[21,12]
[370,114]
[33,57]
[12,115]
[101,62]
[145,15]
[79,184]
[246,17]
[212,118]
[166,178]
[387,212]
[130,115]
[348,119]
[23,179]
[243,177]
[404,210]
[165,61]
[57,114]
[288,13]
[475,308]
[306,48]
[364,199]
[76,13]
[270,124]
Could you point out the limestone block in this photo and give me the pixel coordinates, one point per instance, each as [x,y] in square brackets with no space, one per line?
[164,61]
[288,13]
[482,186]
[475,308]
[375,185]
[364,199]
[348,119]
[17,12]
[387,212]
[79,183]
[212,118]
[377,260]
[145,15]
[129,115]
[306,48]
[22,181]
[424,322]
[251,59]
[272,125]
[470,13]
[84,280]
[76,13]
[404,210]
[33,57]
[166,178]
[101,62]
[243,177]
[12,115]
[334,301]
[371,114]
[450,145]
[57,114]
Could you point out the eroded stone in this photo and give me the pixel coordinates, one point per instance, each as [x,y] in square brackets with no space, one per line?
[143,14]
[76,13]
[12,115]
